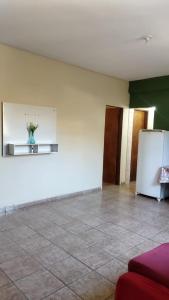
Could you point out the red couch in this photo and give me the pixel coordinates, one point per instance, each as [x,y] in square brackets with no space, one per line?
[132,286]
[148,276]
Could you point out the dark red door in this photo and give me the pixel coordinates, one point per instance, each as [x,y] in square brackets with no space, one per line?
[139,122]
[112,145]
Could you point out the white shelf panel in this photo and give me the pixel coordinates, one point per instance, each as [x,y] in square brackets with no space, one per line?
[31,149]
[39,144]
[25,154]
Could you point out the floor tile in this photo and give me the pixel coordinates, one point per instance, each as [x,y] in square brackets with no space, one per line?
[38,223]
[113,230]
[20,267]
[61,220]
[147,245]
[76,227]
[8,222]
[63,294]
[51,232]
[34,244]
[69,241]
[69,270]
[49,256]
[117,247]
[39,285]
[10,251]
[93,257]
[133,239]
[112,270]
[91,220]
[94,236]
[11,293]
[112,297]
[4,239]
[92,287]
[125,256]
[161,237]
[4,280]
[146,230]
[17,234]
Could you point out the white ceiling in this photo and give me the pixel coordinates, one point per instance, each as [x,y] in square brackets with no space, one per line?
[100,35]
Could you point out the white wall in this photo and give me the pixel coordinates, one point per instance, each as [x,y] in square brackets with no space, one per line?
[150,121]
[129,144]
[80,98]
[124,145]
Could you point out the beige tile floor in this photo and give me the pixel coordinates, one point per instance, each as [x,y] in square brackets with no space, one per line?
[77,248]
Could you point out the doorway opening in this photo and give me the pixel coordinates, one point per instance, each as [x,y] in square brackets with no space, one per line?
[147,122]
[112,145]
[140,119]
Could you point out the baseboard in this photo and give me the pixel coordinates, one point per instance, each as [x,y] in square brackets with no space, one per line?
[10,209]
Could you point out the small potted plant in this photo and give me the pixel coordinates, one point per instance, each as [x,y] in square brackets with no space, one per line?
[31,127]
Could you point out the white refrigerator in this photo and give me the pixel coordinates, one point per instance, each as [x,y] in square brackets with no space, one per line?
[153,153]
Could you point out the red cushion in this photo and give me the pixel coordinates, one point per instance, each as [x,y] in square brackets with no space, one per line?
[132,286]
[153,264]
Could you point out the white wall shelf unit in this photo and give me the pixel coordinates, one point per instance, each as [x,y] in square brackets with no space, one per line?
[16,118]
[31,149]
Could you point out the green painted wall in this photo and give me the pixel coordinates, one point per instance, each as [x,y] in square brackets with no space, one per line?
[152,92]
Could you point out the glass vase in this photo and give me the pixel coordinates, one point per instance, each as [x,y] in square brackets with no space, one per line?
[31,139]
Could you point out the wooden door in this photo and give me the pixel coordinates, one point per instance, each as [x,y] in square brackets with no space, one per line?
[112,145]
[139,122]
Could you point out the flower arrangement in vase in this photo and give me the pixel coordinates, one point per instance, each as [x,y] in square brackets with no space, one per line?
[31,127]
